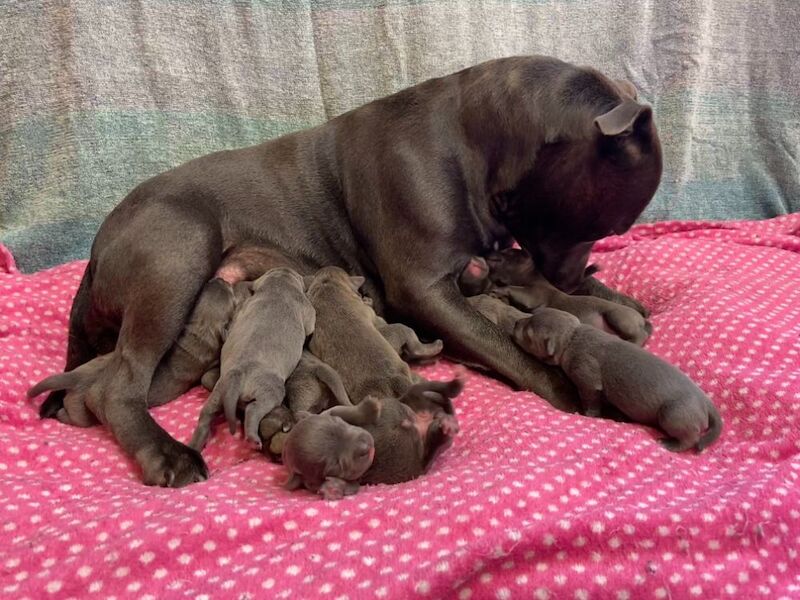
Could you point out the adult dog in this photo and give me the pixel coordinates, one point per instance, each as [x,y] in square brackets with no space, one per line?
[404,191]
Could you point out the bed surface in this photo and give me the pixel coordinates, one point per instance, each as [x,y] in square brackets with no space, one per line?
[528,502]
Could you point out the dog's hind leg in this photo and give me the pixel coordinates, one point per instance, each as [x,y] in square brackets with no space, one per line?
[152,259]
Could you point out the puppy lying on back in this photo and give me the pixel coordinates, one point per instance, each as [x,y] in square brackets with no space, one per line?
[378,441]
[193,354]
[263,346]
[327,454]
[607,369]
[412,430]
[511,276]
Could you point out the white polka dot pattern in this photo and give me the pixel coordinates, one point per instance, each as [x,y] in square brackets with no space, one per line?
[528,502]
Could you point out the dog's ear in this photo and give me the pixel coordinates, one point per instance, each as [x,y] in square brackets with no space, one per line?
[357,281]
[623,118]
[627,87]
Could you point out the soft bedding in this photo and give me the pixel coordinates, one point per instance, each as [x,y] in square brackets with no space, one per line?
[528,502]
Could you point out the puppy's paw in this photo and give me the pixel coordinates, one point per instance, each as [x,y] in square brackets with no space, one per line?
[171,464]
[332,489]
[673,445]
[449,425]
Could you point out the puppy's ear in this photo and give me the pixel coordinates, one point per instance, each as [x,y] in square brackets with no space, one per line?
[627,87]
[357,281]
[622,119]
[550,346]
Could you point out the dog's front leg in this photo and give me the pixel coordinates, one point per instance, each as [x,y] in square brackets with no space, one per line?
[468,335]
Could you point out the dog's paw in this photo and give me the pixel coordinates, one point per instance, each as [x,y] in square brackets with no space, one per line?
[172,465]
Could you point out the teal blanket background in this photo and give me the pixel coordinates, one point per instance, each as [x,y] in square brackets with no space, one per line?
[97,96]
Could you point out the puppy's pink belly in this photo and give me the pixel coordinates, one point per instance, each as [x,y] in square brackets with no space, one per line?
[422,422]
[231,273]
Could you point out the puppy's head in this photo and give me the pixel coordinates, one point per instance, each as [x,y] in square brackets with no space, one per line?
[214,307]
[546,333]
[321,446]
[598,168]
[511,266]
[284,275]
[328,277]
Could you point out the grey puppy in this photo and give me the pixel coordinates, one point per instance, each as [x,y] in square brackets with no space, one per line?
[412,430]
[193,354]
[328,453]
[607,369]
[262,348]
[347,339]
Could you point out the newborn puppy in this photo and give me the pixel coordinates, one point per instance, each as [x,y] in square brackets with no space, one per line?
[346,338]
[411,431]
[605,368]
[513,278]
[497,311]
[195,352]
[327,453]
[263,346]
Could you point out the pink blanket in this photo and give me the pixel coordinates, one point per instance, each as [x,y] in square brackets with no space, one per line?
[528,502]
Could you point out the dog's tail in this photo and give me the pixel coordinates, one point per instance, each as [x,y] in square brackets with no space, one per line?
[714,428]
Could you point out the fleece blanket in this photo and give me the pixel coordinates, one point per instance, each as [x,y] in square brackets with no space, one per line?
[98,96]
[529,502]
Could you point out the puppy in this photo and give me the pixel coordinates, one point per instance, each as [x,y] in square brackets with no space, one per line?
[412,431]
[262,348]
[511,276]
[605,368]
[327,454]
[193,354]
[347,339]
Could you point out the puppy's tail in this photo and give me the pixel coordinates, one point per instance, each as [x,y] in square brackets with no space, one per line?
[334,383]
[714,428]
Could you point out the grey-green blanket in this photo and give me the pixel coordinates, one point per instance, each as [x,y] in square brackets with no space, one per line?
[96,96]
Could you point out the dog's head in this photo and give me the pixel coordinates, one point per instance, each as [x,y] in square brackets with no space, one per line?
[598,168]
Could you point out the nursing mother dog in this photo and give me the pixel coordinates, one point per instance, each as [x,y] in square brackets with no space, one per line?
[404,191]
